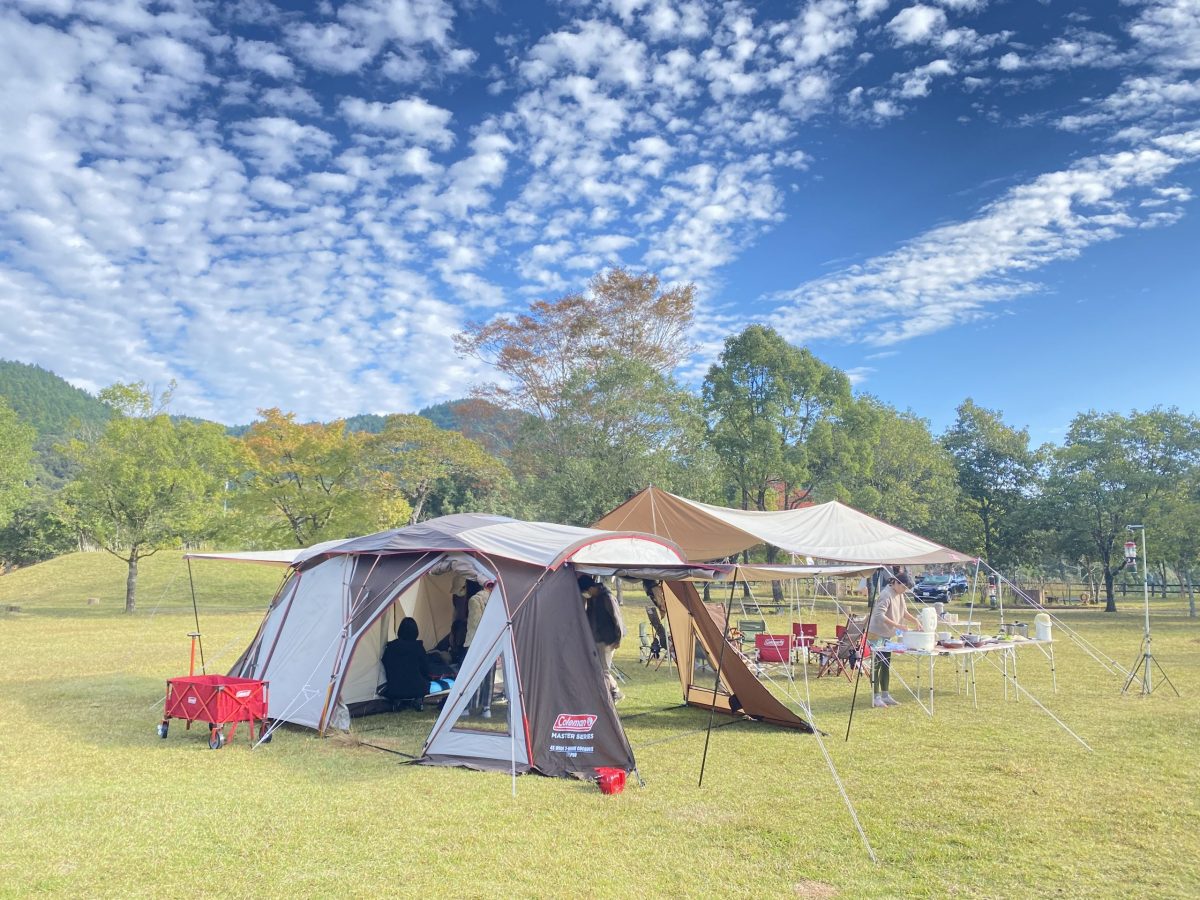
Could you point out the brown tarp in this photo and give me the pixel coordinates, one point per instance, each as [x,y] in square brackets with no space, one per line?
[692,620]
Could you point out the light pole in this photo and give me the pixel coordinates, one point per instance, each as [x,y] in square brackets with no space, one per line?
[1147,656]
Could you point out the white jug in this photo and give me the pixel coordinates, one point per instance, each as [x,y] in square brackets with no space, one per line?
[928,619]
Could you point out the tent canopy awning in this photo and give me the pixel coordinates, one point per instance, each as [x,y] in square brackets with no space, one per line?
[536,543]
[828,531]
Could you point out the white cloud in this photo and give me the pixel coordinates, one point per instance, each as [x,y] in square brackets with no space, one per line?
[952,274]
[1169,32]
[1152,97]
[916,83]
[917,24]
[413,117]
[263,56]
[410,28]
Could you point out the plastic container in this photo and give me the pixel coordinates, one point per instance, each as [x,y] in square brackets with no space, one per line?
[1043,628]
[919,640]
[611,781]
[928,619]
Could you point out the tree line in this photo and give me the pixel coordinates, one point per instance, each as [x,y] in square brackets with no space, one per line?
[586,410]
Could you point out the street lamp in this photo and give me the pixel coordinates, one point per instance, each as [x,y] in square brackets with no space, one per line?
[1147,656]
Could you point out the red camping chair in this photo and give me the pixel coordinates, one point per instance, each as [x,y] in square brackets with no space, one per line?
[804,635]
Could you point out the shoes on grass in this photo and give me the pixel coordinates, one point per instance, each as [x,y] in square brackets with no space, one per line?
[890,700]
[878,702]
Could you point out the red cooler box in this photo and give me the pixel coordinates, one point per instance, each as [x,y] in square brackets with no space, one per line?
[775,648]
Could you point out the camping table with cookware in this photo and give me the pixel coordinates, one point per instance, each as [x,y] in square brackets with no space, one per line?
[965,657]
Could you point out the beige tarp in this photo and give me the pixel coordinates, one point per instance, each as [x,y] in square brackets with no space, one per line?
[831,531]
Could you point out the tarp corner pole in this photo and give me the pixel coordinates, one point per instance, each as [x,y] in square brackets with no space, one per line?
[196,615]
[717,680]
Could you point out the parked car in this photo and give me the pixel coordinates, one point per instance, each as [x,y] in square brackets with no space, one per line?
[943,588]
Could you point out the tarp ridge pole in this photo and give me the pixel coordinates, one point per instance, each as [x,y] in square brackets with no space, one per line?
[717,679]
[196,614]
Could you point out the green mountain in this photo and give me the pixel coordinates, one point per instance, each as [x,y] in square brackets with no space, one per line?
[46,401]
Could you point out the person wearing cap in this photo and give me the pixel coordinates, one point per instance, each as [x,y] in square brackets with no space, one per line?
[888,616]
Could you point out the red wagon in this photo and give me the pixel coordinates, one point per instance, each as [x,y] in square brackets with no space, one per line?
[218,700]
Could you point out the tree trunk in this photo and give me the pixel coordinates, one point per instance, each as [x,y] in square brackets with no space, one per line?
[1111,604]
[131,581]
[1185,580]
[776,586]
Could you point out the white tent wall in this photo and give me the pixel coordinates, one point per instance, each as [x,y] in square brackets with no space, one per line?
[300,642]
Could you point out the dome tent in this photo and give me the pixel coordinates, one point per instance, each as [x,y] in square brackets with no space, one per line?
[321,640]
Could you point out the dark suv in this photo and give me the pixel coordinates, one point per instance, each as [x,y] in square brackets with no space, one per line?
[943,588]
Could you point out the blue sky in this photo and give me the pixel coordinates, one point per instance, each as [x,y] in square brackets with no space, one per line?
[297,205]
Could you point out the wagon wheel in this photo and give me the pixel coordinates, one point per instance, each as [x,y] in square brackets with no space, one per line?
[216,739]
[162,729]
[1085,597]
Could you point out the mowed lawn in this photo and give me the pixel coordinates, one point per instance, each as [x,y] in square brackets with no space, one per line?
[997,801]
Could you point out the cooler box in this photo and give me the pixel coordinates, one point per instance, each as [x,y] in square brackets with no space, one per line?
[773,647]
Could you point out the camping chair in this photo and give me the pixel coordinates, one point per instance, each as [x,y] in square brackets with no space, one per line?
[842,656]
[749,630]
[644,643]
[771,650]
[804,635]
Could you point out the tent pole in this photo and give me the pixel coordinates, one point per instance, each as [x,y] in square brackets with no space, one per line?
[717,680]
[196,614]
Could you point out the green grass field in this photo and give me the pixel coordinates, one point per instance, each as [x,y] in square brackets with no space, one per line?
[994,802]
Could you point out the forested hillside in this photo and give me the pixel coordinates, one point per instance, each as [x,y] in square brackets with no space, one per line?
[46,401]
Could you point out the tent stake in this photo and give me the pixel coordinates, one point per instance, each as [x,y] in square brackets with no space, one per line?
[717,680]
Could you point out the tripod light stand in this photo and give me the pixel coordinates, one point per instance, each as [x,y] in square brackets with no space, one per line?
[1147,657]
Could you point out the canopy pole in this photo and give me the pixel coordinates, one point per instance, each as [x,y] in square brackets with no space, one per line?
[196,614]
[717,680]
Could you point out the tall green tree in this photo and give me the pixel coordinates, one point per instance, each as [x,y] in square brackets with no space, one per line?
[308,482]
[623,426]
[590,374]
[773,411]
[907,477]
[997,475]
[1114,471]
[147,482]
[415,465]
[16,462]
[622,315]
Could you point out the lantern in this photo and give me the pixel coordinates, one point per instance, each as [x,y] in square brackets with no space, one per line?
[1131,555]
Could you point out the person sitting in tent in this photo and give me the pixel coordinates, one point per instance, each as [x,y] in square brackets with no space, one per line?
[889,614]
[604,617]
[406,667]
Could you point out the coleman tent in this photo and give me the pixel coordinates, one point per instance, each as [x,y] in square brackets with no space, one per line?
[831,531]
[322,639]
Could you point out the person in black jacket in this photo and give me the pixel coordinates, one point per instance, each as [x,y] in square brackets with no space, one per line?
[604,619]
[406,667]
